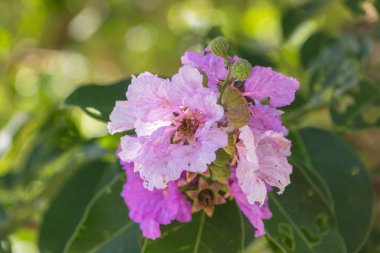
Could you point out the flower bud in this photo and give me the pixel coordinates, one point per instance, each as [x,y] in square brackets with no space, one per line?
[241,69]
[219,46]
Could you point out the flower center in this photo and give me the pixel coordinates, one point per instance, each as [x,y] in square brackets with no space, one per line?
[188,126]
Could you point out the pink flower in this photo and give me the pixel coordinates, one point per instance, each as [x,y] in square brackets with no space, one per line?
[254,212]
[266,118]
[213,66]
[176,126]
[152,208]
[264,82]
[262,159]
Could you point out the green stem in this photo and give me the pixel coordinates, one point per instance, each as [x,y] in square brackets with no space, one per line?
[224,85]
[199,235]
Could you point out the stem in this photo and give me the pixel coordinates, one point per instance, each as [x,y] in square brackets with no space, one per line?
[224,85]
[199,235]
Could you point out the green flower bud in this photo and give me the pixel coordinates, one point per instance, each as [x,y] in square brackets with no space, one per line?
[241,69]
[219,46]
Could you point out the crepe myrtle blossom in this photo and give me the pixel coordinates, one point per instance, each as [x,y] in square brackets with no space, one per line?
[193,149]
[152,208]
[262,159]
[214,66]
[254,212]
[176,125]
[263,82]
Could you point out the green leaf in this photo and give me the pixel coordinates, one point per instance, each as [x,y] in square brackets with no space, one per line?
[337,64]
[296,15]
[355,6]
[333,68]
[377,6]
[105,226]
[312,47]
[303,220]
[56,135]
[98,100]
[219,168]
[357,108]
[5,245]
[227,231]
[372,245]
[68,206]
[236,107]
[349,183]
[3,216]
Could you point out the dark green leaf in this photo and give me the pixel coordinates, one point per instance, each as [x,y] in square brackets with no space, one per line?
[312,47]
[373,243]
[225,232]
[106,227]
[3,216]
[333,68]
[5,245]
[357,108]
[337,64]
[236,107]
[349,183]
[294,16]
[99,100]
[377,6]
[355,6]
[69,205]
[303,219]
[54,137]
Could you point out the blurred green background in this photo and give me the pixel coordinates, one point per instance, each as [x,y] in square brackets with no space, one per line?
[50,47]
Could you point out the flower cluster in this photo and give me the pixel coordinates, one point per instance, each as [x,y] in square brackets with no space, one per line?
[209,134]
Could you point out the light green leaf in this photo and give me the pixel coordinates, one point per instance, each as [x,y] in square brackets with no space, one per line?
[99,100]
[236,107]
[219,169]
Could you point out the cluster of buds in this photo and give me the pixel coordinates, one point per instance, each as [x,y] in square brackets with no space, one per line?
[208,135]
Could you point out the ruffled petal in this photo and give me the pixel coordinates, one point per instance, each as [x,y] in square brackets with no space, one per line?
[262,159]
[148,96]
[202,153]
[266,118]
[121,119]
[273,150]
[214,66]
[253,212]
[153,158]
[152,208]
[264,82]
[247,167]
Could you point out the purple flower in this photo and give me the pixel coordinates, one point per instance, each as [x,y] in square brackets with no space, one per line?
[213,66]
[254,212]
[264,82]
[179,127]
[176,126]
[152,208]
[262,160]
[266,118]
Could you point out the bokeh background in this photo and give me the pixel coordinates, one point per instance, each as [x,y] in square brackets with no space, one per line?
[50,47]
